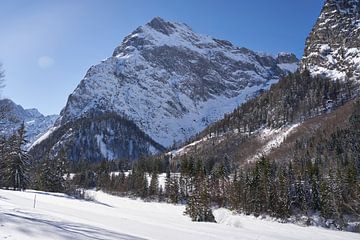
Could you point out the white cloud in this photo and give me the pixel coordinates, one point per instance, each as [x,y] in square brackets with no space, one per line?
[45,62]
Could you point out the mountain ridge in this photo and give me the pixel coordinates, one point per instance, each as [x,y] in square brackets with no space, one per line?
[14,115]
[172,82]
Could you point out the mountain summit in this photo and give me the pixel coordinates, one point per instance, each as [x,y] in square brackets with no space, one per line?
[333,46]
[168,81]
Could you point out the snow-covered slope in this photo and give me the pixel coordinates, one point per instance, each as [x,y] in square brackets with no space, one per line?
[172,82]
[57,216]
[333,47]
[14,115]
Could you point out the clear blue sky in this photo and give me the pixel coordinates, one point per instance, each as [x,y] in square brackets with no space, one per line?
[47,46]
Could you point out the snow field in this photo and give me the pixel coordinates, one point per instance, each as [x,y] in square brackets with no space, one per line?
[58,216]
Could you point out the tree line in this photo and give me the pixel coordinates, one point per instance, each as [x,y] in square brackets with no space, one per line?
[296,97]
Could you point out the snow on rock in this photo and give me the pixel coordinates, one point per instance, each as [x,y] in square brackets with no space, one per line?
[59,217]
[36,124]
[185,149]
[44,136]
[287,62]
[272,138]
[290,67]
[332,48]
[172,82]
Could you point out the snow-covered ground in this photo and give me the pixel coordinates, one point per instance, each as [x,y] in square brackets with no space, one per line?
[57,216]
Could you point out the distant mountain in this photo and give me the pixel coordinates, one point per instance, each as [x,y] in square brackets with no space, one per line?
[14,115]
[333,47]
[170,82]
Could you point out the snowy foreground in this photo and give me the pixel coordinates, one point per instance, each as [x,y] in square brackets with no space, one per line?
[57,216]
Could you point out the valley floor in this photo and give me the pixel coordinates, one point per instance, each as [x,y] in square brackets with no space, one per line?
[58,216]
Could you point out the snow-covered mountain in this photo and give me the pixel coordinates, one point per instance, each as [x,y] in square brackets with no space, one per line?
[333,47]
[14,115]
[171,82]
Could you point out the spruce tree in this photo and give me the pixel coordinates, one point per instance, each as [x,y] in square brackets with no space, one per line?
[199,203]
[172,190]
[2,159]
[154,185]
[16,161]
[53,173]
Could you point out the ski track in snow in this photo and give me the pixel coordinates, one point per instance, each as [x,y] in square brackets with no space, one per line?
[58,216]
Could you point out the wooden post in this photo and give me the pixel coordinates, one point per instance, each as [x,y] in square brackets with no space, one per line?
[35,200]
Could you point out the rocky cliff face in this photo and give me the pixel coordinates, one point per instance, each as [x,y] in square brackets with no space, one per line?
[333,46]
[171,82]
[14,115]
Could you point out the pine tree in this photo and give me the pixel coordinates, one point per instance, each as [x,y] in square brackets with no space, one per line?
[154,185]
[16,161]
[46,176]
[219,181]
[53,173]
[144,187]
[199,203]
[284,194]
[172,190]
[235,192]
[103,176]
[167,182]
[315,188]
[2,159]
[327,203]
[171,187]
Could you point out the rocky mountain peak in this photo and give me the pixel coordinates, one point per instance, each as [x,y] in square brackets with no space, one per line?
[14,115]
[170,82]
[333,46]
[161,25]
[344,6]
[173,70]
[287,58]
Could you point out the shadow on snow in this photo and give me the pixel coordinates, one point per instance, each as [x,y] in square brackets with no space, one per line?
[35,225]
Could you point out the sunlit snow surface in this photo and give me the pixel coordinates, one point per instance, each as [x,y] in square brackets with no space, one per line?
[57,216]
